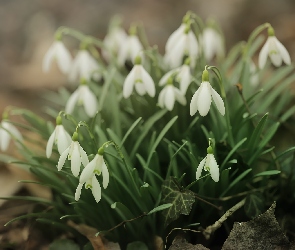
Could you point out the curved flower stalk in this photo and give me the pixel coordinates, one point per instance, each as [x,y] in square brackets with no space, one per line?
[6,131]
[169,94]
[113,42]
[201,100]
[96,167]
[59,137]
[59,53]
[84,67]
[76,154]
[211,43]
[186,44]
[83,96]
[182,75]
[275,50]
[140,79]
[209,164]
[130,49]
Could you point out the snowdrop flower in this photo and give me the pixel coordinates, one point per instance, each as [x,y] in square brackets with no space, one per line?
[113,42]
[169,94]
[182,75]
[130,49]
[140,79]
[209,164]
[96,167]
[201,100]
[275,50]
[186,44]
[83,96]
[75,154]
[6,131]
[212,43]
[59,137]
[84,67]
[59,53]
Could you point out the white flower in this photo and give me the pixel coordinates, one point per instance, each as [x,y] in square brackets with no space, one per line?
[201,100]
[276,51]
[129,50]
[60,53]
[168,95]
[84,67]
[209,164]
[186,44]
[76,155]
[96,167]
[212,43]
[113,42]
[59,137]
[6,131]
[182,75]
[174,37]
[141,80]
[82,96]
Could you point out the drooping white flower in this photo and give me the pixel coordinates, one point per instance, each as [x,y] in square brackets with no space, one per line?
[84,67]
[113,41]
[96,167]
[182,75]
[168,95]
[186,44]
[83,96]
[275,50]
[209,164]
[174,37]
[201,100]
[130,49]
[211,43]
[140,79]
[76,154]
[59,53]
[59,137]
[6,131]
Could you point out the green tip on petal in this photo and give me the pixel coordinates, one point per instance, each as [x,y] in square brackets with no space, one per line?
[58,120]
[100,151]
[137,60]
[271,31]
[170,81]
[205,76]
[187,28]
[132,30]
[187,61]
[58,36]
[83,81]
[209,150]
[187,17]
[75,136]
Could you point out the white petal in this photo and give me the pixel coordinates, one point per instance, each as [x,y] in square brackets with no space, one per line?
[218,101]
[48,58]
[165,77]
[192,45]
[214,170]
[194,102]
[13,130]
[174,57]
[84,157]
[78,192]
[96,189]
[49,144]
[64,58]
[123,53]
[129,82]
[148,83]
[62,159]
[88,171]
[4,139]
[263,54]
[161,97]
[169,97]
[184,78]
[75,160]
[70,105]
[134,47]
[105,176]
[90,102]
[274,54]
[140,89]
[284,53]
[63,139]
[74,72]
[204,100]
[179,96]
[173,38]
[200,168]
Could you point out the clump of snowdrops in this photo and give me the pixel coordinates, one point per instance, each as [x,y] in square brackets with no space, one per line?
[141,143]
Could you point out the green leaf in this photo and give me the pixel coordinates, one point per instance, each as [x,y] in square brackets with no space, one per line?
[269,172]
[181,200]
[137,245]
[160,208]
[129,131]
[254,204]
[63,244]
